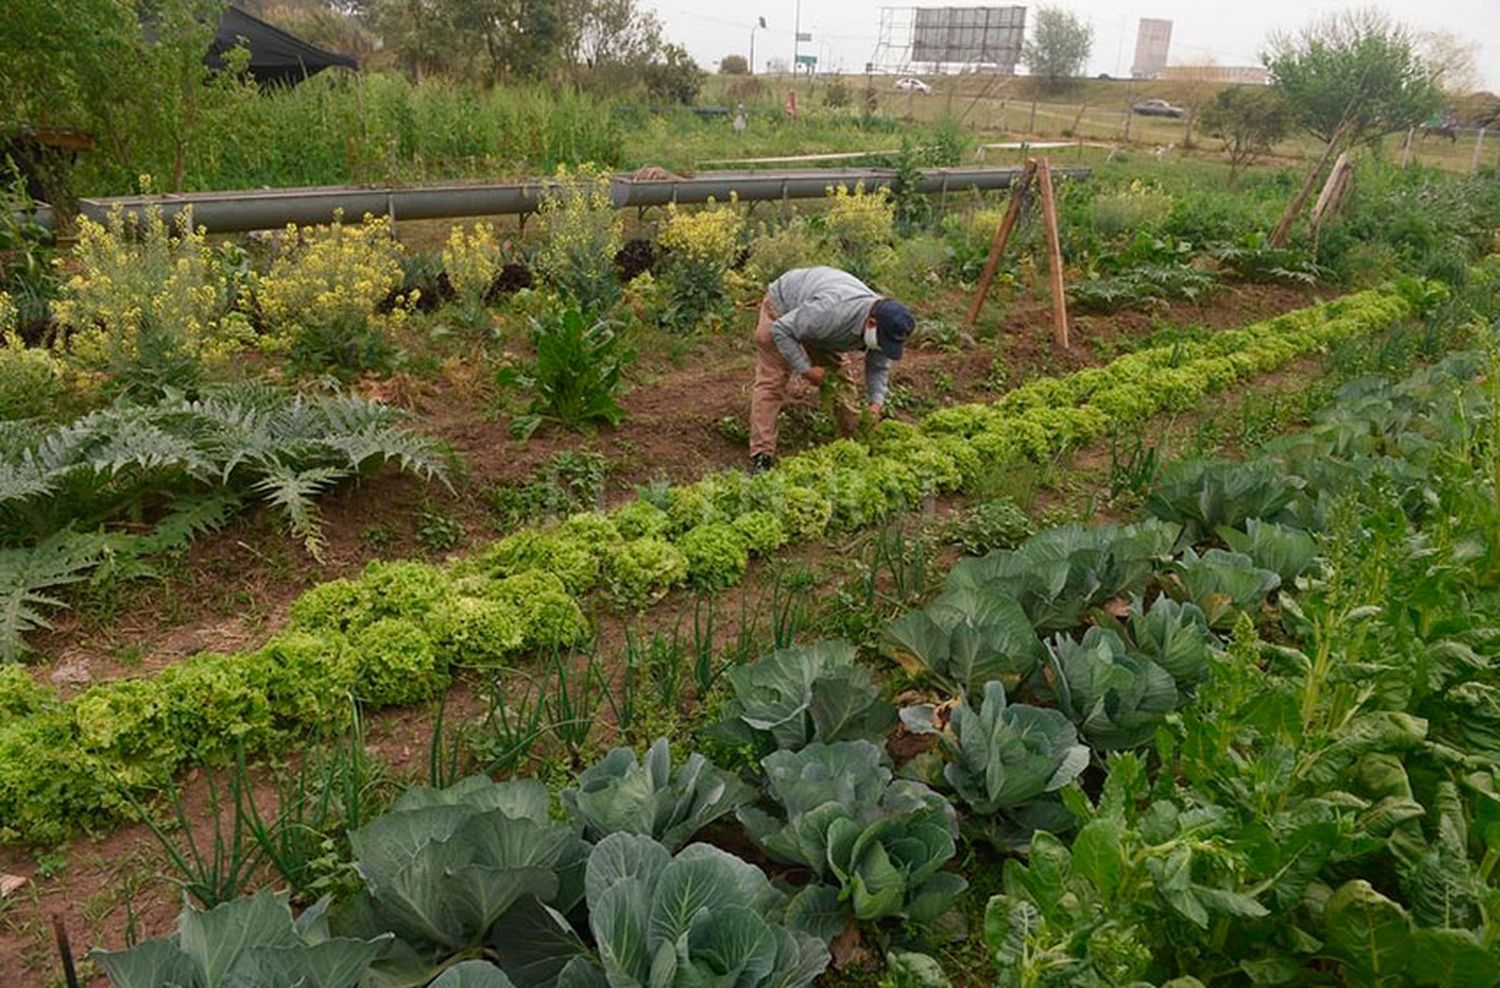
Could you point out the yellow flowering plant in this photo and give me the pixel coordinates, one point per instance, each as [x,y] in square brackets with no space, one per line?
[583,235]
[472,259]
[147,302]
[860,222]
[701,248]
[32,379]
[322,295]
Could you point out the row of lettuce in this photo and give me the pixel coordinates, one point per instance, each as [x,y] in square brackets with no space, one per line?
[1250,739]
[392,636]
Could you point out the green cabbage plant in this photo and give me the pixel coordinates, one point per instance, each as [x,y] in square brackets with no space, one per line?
[1116,699]
[1288,552]
[246,941]
[966,638]
[444,866]
[1222,584]
[1203,495]
[1059,574]
[882,843]
[701,918]
[802,694]
[622,794]
[1002,755]
[1175,636]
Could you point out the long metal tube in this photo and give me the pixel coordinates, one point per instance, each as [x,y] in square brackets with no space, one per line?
[261,209]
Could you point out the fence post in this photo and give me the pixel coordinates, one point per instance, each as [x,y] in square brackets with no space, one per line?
[1406,149]
[1478,147]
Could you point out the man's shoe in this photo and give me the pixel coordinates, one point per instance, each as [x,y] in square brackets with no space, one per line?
[761,462]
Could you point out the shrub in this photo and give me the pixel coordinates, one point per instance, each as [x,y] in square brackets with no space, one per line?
[472,260]
[32,384]
[146,305]
[701,248]
[913,268]
[396,663]
[322,293]
[716,555]
[582,235]
[859,222]
[773,254]
[576,376]
[1138,206]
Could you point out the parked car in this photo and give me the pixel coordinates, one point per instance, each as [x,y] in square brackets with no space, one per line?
[1157,108]
[911,84]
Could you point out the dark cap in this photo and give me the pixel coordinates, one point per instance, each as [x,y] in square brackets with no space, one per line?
[893,324]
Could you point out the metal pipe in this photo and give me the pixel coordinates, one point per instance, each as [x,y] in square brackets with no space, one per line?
[260,209]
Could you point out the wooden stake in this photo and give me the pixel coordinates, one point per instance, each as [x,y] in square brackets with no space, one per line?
[1294,208]
[1018,192]
[1054,257]
[1331,199]
[1406,149]
[1478,149]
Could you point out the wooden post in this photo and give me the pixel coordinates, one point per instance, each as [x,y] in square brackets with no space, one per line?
[1331,199]
[1018,191]
[1054,257]
[1294,208]
[1478,147]
[1406,149]
[1031,127]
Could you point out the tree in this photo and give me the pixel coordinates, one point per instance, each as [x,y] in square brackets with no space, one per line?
[1058,48]
[1356,70]
[1452,60]
[1249,120]
[734,65]
[674,76]
[611,32]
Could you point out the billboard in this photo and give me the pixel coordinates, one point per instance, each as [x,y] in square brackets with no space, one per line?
[1151,43]
[986,37]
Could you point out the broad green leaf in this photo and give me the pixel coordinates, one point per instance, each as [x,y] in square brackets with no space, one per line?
[532,942]
[1368,933]
[732,943]
[619,918]
[1099,855]
[214,939]
[816,910]
[473,974]
[904,969]
[1452,959]
[151,964]
[625,857]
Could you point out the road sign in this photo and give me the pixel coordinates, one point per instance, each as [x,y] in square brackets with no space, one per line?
[804,35]
[807,60]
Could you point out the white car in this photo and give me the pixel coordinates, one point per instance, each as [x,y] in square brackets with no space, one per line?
[911,84]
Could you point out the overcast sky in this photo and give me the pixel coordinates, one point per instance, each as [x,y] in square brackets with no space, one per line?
[846,32]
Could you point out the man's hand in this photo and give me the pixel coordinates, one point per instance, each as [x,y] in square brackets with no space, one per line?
[815,375]
[876,408]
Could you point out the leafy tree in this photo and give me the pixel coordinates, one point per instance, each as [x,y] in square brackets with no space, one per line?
[610,32]
[1058,48]
[674,76]
[734,65]
[1357,70]
[1249,120]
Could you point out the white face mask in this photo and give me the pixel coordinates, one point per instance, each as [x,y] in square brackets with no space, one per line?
[872,340]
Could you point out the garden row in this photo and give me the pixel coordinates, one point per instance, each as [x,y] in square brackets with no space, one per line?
[1246,740]
[392,636]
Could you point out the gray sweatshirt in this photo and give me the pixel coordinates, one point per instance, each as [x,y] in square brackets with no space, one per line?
[825,309]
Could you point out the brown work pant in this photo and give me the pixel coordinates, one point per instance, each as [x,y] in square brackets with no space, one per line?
[772,373]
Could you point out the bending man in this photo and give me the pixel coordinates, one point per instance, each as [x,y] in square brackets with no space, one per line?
[816,320]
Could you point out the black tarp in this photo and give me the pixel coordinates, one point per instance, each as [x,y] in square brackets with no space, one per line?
[275,56]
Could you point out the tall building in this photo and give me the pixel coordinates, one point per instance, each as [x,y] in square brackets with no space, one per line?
[1151,44]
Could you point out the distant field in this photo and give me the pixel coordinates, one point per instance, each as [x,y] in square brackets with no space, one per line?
[1000,108]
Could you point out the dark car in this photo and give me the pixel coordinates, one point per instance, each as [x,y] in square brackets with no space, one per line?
[1156,108]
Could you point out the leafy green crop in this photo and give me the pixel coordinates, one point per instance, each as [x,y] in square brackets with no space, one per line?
[641,571]
[1175,636]
[716,553]
[966,638]
[883,842]
[650,798]
[1223,583]
[1002,755]
[802,694]
[1117,700]
[577,376]
[443,867]
[247,941]
[703,917]
[1205,495]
